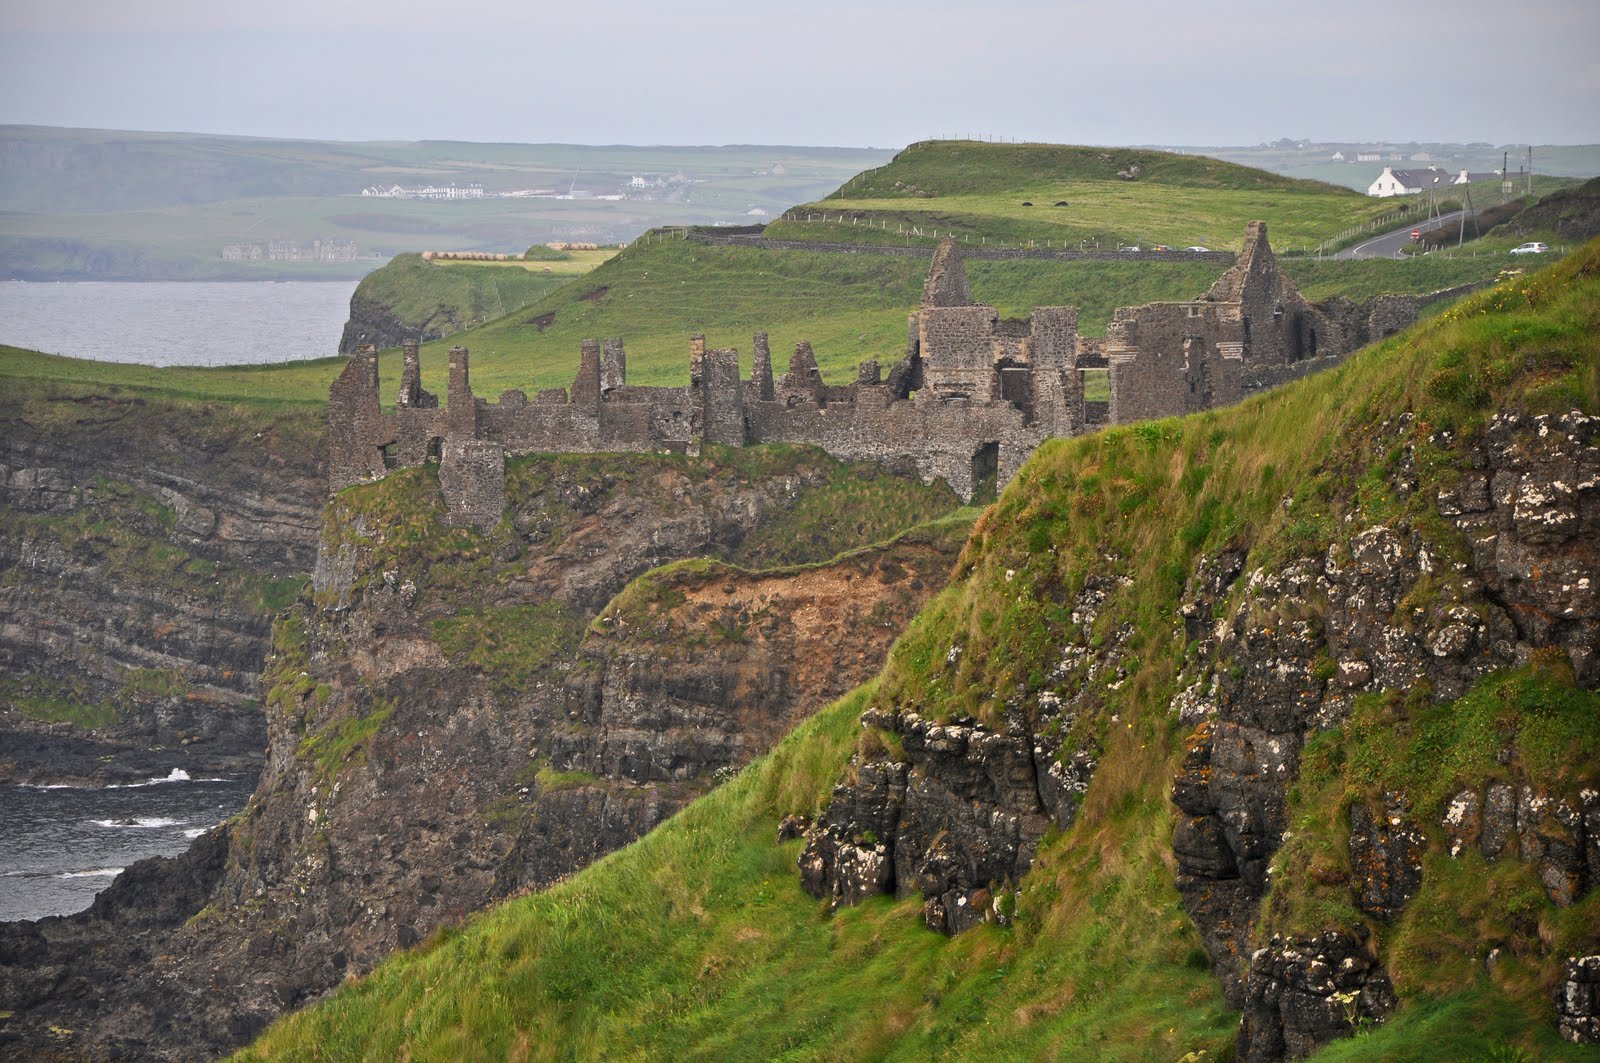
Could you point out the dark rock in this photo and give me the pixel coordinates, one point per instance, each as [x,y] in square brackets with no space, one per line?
[1303,993]
[1386,852]
[1578,1001]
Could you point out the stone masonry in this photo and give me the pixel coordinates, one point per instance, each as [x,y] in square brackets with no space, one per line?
[970,400]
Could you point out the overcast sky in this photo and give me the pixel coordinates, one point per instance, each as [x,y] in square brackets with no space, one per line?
[869,72]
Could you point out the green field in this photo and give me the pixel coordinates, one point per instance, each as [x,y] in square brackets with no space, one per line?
[656,295]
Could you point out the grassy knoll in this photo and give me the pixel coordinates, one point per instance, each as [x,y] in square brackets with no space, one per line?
[697,942]
[1035,194]
[446,296]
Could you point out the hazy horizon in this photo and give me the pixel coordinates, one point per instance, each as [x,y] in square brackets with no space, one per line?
[712,72]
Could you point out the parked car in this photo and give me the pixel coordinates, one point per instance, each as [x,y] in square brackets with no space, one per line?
[1197,247]
[1135,247]
[1161,247]
[1532,248]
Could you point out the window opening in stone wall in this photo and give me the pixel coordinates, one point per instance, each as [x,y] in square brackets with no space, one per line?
[985,472]
[1311,344]
[388,457]
[1096,385]
[435,449]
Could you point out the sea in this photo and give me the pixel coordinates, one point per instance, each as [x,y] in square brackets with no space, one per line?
[177,322]
[59,846]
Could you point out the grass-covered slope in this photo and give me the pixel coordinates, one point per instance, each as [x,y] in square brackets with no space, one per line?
[436,300]
[698,941]
[655,295]
[1034,194]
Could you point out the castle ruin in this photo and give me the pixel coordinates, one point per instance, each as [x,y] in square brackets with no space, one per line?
[970,400]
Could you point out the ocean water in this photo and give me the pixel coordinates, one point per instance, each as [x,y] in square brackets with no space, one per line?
[177,322]
[60,845]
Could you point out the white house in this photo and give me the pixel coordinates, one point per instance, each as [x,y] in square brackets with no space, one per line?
[1394,182]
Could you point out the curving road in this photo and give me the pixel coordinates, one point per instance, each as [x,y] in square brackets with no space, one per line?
[1386,245]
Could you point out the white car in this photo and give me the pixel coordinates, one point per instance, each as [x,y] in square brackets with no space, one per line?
[1197,248]
[1533,248]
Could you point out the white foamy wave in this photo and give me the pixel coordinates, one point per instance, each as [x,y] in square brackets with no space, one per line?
[195,832]
[175,775]
[144,822]
[98,872]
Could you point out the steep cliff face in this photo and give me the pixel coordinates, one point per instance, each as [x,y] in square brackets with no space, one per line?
[453,717]
[1381,673]
[144,546]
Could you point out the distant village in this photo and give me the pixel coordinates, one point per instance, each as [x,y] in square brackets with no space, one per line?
[658,187]
[328,250]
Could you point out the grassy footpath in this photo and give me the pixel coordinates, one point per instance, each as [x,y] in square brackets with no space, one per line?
[697,942]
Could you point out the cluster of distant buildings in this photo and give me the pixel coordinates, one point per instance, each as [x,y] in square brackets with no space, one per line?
[329,250]
[451,191]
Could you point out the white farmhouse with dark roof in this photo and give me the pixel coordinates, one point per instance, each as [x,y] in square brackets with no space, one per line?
[1394,182]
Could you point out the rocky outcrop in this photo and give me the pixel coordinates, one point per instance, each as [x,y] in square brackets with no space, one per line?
[374,321]
[1276,655]
[144,545]
[956,817]
[1301,644]
[452,718]
[1578,1002]
[1303,993]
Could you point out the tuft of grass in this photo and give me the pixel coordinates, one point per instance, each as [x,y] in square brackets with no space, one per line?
[513,644]
[343,742]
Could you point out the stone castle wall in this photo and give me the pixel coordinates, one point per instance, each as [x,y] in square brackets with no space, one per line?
[971,399]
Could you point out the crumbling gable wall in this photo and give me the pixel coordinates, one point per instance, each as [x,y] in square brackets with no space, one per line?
[1278,325]
[357,431]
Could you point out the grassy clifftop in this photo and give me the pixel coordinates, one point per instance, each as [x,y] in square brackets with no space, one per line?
[946,168]
[1062,196]
[698,941]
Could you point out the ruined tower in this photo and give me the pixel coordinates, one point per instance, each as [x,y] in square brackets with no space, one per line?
[411,393]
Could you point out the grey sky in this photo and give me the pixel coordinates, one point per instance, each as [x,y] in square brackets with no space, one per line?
[872,72]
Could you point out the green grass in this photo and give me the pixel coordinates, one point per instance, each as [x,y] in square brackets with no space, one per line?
[343,741]
[512,643]
[697,943]
[448,296]
[51,700]
[849,307]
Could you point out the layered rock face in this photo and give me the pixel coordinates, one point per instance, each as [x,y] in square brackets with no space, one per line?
[454,717]
[1276,655]
[144,545]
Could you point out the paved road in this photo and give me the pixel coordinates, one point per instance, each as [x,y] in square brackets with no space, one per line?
[1386,245]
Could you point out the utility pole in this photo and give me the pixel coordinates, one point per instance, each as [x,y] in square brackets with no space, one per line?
[1530,169]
